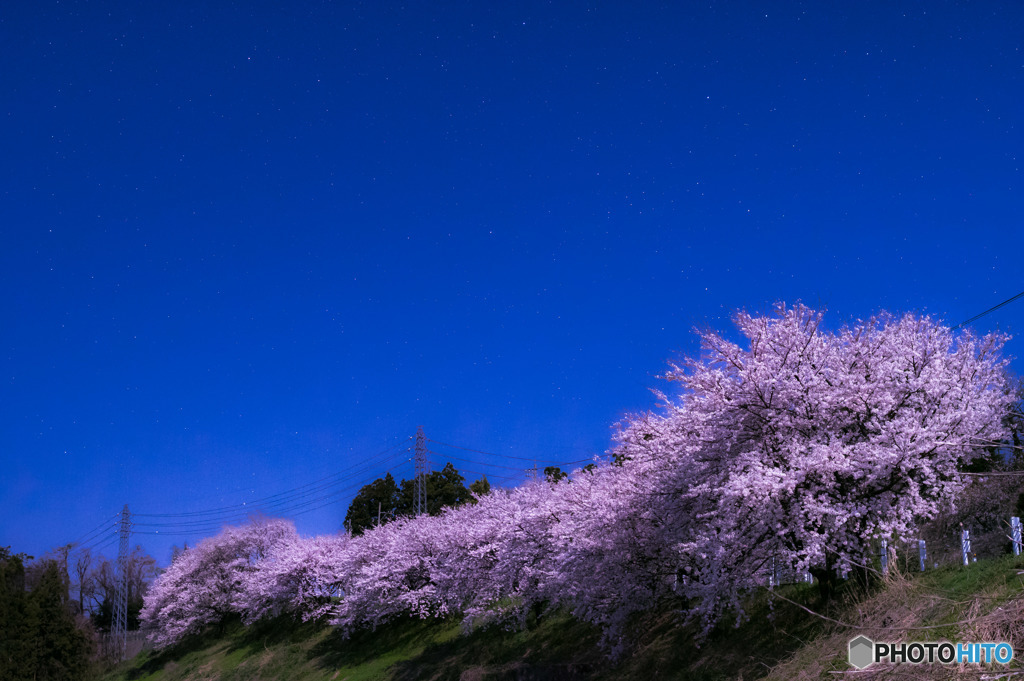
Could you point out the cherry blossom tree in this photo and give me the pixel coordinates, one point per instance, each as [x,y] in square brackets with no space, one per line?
[803,445]
[796,446]
[503,561]
[299,576]
[205,583]
[615,549]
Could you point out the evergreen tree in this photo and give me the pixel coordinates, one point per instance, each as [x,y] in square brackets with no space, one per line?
[63,648]
[381,501]
[446,488]
[554,474]
[38,636]
[481,487]
[17,652]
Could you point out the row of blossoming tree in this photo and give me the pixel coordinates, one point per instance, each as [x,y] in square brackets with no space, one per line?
[796,444]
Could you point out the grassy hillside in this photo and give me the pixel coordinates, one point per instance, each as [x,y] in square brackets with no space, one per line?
[779,640]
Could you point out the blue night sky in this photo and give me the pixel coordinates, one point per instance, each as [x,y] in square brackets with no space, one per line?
[247,246]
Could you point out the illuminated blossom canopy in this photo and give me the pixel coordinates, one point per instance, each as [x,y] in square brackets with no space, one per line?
[802,445]
[795,446]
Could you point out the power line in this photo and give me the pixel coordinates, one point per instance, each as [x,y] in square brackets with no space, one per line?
[325,491]
[493,475]
[295,492]
[291,494]
[99,539]
[310,510]
[295,500]
[498,465]
[480,463]
[98,548]
[509,456]
[104,523]
[991,309]
[101,543]
[193,527]
[241,515]
[96,533]
[215,523]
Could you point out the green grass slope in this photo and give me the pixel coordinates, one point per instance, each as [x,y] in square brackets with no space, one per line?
[778,640]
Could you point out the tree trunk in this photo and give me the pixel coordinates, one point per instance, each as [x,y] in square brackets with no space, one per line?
[827,581]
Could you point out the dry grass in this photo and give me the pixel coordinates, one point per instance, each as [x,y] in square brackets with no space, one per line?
[982,602]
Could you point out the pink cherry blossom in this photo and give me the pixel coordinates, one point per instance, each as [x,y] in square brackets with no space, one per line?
[796,446]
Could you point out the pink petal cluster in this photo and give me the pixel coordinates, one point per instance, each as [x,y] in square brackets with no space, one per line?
[796,447]
[208,582]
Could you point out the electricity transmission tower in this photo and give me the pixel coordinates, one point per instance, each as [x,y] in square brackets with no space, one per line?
[119,630]
[419,500]
[531,473]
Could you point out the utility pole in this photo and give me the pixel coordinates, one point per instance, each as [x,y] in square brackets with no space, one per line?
[119,630]
[419,500]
